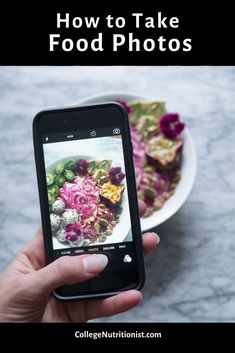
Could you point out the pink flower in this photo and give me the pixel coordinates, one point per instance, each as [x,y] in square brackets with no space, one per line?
[77,228]
[115,175]
[69,227]
[148,200]
[72,236]
[82,167]
[170,125]
[74,227]
[125,105]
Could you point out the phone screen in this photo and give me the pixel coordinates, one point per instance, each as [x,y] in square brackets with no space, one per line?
[88,198]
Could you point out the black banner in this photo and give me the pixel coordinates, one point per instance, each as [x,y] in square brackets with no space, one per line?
[187,35]
[159,334]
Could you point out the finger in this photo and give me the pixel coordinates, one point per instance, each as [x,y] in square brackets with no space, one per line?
[150,241]
[67,270]
[113,305]
[142,207]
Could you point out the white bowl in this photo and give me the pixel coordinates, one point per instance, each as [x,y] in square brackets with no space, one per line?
[188,167]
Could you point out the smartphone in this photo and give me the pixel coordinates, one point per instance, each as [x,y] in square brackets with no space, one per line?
[88,196]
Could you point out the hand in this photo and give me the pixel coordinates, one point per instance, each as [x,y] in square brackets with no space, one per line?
[26,284]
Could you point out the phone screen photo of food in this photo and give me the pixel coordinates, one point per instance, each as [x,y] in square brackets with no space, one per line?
[87,194]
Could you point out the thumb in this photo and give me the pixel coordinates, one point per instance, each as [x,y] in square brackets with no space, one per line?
[67,270]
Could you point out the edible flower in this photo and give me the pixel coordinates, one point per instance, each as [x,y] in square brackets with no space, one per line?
[72,236]
[115,175]
[76,227]
[82,167]
[170,125]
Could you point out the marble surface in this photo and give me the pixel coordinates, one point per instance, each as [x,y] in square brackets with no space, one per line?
[190,277]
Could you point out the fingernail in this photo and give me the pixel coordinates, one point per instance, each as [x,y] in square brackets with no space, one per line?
[95,263]
[157,236]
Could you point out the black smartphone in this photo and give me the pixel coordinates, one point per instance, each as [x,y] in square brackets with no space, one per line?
[88,194]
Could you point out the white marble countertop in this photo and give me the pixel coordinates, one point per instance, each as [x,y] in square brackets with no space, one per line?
[190,277]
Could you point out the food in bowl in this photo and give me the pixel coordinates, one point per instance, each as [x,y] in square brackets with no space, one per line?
[164,153]
[85,198]
[157,150]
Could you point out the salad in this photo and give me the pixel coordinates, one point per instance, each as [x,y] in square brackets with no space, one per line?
[85,200]
[157,151]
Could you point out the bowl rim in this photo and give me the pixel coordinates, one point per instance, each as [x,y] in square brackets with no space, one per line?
[134,96]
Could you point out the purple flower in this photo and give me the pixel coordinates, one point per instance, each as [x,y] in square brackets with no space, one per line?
[77,228]
[115,175]
[69,227]
[82,167]
[74,227]
[170,125]
[125,105]
[72,236]
[148,200]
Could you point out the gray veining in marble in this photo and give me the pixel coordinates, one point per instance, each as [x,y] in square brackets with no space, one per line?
[191,276]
